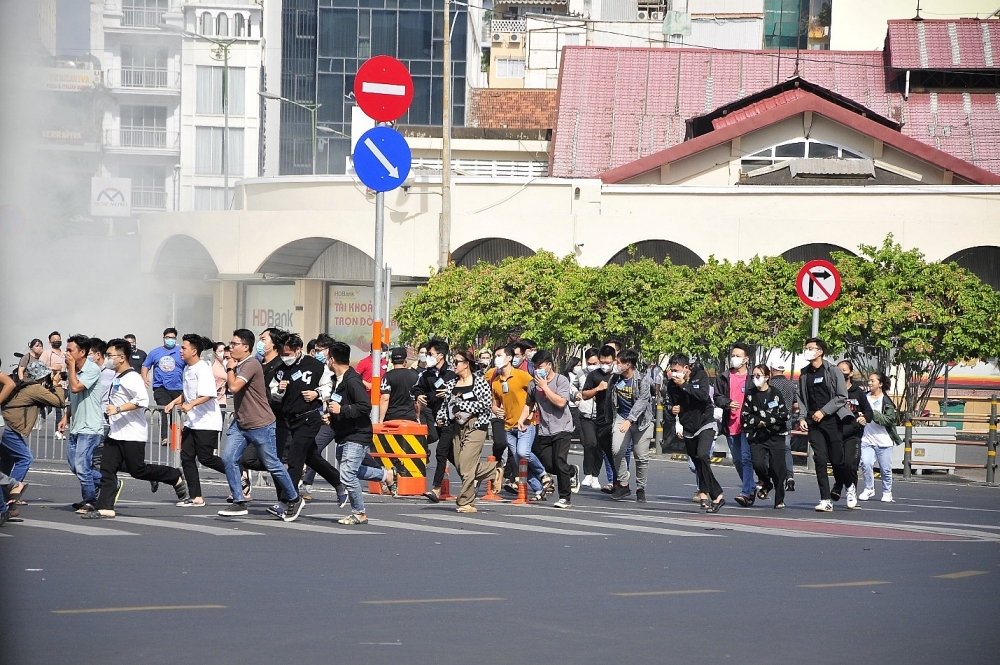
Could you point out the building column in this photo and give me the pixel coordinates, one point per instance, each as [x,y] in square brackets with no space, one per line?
[225,297]
[309,309]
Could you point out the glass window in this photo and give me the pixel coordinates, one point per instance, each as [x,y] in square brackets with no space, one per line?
[206,24]
[240,27]
[209,198]
[338,33]
[222,25]
[208,151]
[797,149]
[850,155]
[414,35]
[305,24]
[383,33]
[209,97]
[823,150]
[510,68]
[144,117]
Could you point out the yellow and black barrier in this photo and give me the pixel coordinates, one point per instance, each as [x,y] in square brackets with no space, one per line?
[401,445]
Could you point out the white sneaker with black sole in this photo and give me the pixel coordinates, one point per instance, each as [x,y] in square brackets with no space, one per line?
[294,509]
[852,497]
[562,503]
[824,506]
[574,481]
[237,509]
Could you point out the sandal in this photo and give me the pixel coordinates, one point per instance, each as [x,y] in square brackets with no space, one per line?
[763,492]
[706,504]
[779,506]
[14,498]
[716,505]
[433,496]
[353,519]
[467,508]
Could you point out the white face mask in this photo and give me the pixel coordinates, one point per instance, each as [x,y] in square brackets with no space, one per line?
[109,364]
[736,362]
[677,375]
[289,360]
[499,362]
[616,369]
[605,367]
[810,354]
[221,355]
[422,358]
[758,381]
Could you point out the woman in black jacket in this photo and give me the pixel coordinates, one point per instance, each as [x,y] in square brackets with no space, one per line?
[854,427]
[765,422]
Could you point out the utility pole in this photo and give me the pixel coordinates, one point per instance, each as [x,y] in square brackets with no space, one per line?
[444,224]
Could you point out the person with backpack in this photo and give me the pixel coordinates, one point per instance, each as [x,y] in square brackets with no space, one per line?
[879,437]
[126,442]
[42,389]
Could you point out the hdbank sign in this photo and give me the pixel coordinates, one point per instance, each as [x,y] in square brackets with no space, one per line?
[110,197]
[269,306]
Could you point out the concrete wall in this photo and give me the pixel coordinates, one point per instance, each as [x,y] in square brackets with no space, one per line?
[860,25]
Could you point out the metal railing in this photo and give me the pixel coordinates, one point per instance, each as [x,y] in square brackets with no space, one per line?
[517,25]
[133,17]
[155,138]
[149,198]
[991,441]
[152,78]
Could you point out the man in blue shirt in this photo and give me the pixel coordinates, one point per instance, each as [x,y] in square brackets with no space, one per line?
[167,376]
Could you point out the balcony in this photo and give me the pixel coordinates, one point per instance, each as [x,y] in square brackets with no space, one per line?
[142,140]
[509,26]
[149,198]
[133,17]
[143,78]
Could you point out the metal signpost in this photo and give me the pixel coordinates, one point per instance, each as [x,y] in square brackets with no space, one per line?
[818,285]
[384,90]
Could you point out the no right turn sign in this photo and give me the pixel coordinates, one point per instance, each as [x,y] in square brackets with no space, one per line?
[818,284]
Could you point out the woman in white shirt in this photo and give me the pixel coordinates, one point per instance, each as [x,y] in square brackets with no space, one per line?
[878,439]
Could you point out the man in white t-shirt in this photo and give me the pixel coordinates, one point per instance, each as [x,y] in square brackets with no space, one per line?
[126,442]
[198,401]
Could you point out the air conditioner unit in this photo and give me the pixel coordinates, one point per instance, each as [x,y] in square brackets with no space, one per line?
[655,16]
[514,38]
[497,37]
[642,16]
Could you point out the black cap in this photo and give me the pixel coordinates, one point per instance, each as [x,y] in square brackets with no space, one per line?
[397,354]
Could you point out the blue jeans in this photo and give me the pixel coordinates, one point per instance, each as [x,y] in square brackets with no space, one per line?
[80,455]
[884,456]
[263,440]
[740,449]
[350,456]
[519,445]
[15,458]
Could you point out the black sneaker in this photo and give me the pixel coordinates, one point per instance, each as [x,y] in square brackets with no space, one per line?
[4,516]
[276,510]
[79,504]
[153,486]
[237,509]
[640,495]
[620,493]
[182,490]
[835,492]
[294,509]
[789,484]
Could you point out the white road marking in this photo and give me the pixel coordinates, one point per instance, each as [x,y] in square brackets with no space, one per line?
[623,527]
[507,525]
[201,528]
[702,523]
[414,527]
[975,526]
[298,526]
[79,529]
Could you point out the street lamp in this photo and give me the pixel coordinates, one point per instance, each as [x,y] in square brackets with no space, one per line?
[223,45]
[312,108]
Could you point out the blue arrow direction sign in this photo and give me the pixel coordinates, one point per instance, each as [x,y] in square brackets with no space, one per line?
[382,159]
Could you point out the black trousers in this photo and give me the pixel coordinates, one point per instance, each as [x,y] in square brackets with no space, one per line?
[553,453]
[323,439]
[827,441]
[593,458]
[499,438]
[443,453]
[302,449]
[198,445]
[162,397]
[604,436]
[768,458]
[132,456]
[698,449]
[852,454]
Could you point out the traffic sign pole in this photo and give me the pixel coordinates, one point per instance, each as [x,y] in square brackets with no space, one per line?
[815,329]
[377,304]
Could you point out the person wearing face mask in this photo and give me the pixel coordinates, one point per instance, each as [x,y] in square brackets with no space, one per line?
[509,387]
[688,399]
[163,371]
[629,409]
[765,420]
[138,356]
[550,393]
[203,419]
[296,383]
[730,388]
[84,419]
[822,410]
[596,388]
[396,390]
[319,349]
[429,394]
[878,439]
[219,372]
[525,350]
[35,349]
[593,458]
[498,430]
[364,366]
[790,393]
[55,359]
[861,415]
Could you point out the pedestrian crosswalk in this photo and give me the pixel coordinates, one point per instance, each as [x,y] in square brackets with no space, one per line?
[496,520]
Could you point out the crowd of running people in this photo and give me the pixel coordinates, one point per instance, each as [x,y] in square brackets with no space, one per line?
[289,400]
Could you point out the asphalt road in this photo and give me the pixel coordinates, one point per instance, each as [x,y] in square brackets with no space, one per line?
[916,581]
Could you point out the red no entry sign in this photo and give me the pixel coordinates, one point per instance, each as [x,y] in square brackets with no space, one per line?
[383,88]
[818,284]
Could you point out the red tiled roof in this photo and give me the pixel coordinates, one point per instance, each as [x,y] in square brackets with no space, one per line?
[511,109]
[961,44]
[617,105]
[788,104]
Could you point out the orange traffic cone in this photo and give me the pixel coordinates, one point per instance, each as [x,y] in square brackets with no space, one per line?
[446,485]
[491,494]
[522,484]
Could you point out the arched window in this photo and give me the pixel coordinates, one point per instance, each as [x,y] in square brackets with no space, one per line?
[238,26]
[222,25]
[206,24]
[796,148]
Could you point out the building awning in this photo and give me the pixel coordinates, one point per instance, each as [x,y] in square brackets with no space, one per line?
[852,168]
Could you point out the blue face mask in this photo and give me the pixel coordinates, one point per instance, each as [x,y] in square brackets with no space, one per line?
[169,342]
[260,348]
[541,373]
[321,356]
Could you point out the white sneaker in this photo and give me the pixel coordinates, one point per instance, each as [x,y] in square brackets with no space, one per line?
[886,497]
[868,493]
[586,481]
[825,506]
[308,489]
[595,483]
[852,497]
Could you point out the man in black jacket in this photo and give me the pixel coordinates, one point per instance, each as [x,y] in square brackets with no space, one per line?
[349,414]
[296,385]
[689,401]
[429,394]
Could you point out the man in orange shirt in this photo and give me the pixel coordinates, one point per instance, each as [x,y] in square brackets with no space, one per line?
[510,392]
